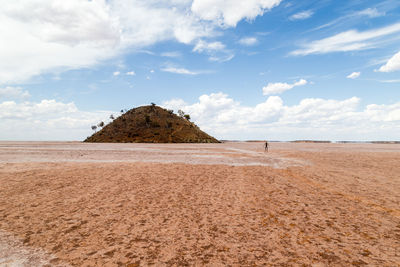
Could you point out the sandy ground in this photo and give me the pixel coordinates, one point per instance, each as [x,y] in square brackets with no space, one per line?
[64,204]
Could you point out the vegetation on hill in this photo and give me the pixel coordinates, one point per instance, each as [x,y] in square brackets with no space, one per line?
[150,124]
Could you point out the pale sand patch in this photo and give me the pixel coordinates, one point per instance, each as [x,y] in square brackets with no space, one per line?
[234,154]
[13,253]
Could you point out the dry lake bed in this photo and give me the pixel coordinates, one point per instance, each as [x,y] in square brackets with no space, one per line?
[301,204]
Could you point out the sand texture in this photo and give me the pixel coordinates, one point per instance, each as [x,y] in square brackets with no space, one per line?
[74,204]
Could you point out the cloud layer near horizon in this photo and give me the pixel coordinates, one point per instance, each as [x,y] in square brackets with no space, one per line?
[46,120]
[312,118]
[219,115]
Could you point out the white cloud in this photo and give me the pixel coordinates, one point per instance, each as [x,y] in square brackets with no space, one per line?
[179,71]
[389,81]
[116,73]
[230,12]
[203,46]
[248,41]
[311,118]
[347,41]
[347,19]
[11,109]
[278,88]
[171,54]
[383,113]
[370,12]
[42,36]
[393,64]
[216,50]
[222,57]
[175,103]
[10,92]
[302,15]
[131,73]
[46,120]
[148,22]
[353,75]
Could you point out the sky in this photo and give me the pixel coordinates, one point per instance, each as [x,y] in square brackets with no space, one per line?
[243,70]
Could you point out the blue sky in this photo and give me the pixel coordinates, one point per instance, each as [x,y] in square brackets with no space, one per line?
[259,69]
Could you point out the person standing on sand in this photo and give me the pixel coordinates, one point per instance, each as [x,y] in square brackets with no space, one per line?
[266,146]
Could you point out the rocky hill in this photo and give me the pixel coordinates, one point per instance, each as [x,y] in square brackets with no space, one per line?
[151,124]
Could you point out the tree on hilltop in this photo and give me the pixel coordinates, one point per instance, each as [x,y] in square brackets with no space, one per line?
[182,114]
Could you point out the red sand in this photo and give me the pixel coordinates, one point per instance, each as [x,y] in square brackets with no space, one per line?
[223,204]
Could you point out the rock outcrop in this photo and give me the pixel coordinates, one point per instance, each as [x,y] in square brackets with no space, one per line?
[151,124]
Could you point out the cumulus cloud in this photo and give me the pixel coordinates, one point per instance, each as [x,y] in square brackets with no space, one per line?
[347,41]
[41,36]
[302,15]
[248,41]
[147,22]
[116,73]
[311,118]
[10,92]
[353,75]
[46,120]
[230,12]
[393,64]
[278,88]
[131,73]
[12,109]
[385,113]
[179,71]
